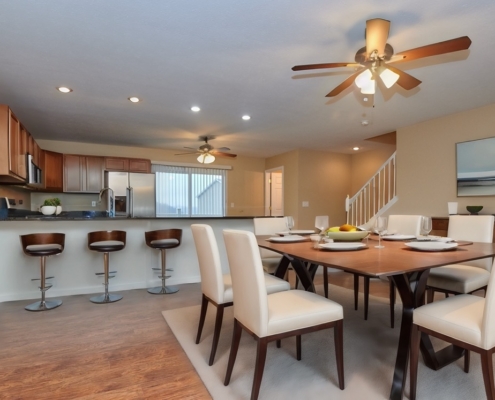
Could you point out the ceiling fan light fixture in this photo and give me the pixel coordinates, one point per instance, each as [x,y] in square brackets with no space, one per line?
[387,76]
[369,88]
[206,158]
[364,78]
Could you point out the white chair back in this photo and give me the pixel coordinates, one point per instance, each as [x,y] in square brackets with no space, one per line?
[404,224]
[474,228]
[269,226]
[210,266]
[248,282]
[488,324]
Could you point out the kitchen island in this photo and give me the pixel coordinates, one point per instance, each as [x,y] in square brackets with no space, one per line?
[74,270]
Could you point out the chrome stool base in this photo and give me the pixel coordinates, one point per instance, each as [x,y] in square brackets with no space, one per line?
[43,305]
[163,290]
[105,298]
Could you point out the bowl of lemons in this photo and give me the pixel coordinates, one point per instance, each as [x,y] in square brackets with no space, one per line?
[345,233]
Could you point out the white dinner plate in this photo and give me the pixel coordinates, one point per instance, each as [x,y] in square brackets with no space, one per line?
[431,246]
[296,232]
[398,237]
[287,239]
[434,239]
[342,246]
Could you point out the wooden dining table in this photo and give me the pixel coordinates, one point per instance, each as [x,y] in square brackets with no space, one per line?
[406,267]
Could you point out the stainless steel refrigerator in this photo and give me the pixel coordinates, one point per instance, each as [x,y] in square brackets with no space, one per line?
[134,193]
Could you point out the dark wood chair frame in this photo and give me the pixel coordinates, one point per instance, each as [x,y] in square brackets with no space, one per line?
[419,332]
[218,323]
[262,344]
[430,292]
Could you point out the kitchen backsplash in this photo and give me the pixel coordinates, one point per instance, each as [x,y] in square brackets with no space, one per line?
[22,197]
[70,201]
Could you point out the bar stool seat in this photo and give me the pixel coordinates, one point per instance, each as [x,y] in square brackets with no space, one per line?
[162,240]
[106,242]
[43,245]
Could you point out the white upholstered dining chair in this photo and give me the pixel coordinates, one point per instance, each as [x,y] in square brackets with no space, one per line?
[469,276]
[397,224]
[269,226]
[216,287]
[466,321]
[270,317]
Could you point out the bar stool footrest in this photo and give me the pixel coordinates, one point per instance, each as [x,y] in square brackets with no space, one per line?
[163,290]
[39,279]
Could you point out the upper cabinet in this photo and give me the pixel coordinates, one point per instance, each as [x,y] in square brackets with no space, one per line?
[13,147]
[83,173]
[53,171]
[127,164]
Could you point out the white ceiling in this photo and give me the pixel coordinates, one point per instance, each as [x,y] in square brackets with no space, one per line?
[231,57]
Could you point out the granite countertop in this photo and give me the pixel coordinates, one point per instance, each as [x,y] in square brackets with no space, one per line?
[27,215]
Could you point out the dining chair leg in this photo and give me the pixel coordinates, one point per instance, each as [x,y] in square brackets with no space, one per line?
[467,357]
[366,296]
[339,351]
[414,359]
[325,281]
[392,303]
[298,347]
[259,368]
[487,368]
[430,293]
[216,333]
[356,291]
[236,338]
[279,344]
[202,316]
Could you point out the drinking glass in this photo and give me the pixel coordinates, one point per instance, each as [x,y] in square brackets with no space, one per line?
[289,221]
[425,225]
[380,227]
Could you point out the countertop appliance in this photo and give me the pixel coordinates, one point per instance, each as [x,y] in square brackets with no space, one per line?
[134,193]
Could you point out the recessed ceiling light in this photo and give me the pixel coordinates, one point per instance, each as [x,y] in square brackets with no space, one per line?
[355,148]
[246,117]
[195,108]
[135,99]
[64,89]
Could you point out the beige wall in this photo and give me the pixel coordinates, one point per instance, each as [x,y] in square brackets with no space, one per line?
[426,169]
[244,181]
[15,193]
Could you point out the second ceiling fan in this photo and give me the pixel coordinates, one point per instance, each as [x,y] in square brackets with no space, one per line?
[373,60]
[206,151]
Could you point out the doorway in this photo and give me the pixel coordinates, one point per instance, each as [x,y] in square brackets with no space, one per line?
[274,192]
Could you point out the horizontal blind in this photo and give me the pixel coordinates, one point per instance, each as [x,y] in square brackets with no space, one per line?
[189,191]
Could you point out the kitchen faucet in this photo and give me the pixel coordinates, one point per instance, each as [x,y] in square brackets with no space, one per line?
[111,202]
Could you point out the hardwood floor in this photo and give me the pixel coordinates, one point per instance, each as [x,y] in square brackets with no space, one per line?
[120,351]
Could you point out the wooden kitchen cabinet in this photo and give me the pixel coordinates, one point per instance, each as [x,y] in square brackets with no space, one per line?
[53,171]
[83,174]
[12,148]
[127,164]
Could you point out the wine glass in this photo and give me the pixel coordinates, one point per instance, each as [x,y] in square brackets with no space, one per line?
[426,225]
[289,221]
[321,222]
[380,227]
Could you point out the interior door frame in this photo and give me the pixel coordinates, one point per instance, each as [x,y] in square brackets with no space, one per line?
[268,192]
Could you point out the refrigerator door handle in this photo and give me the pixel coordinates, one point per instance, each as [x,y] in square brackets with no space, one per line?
[130,211]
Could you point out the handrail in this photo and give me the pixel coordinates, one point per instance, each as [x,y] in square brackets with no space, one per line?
[375,196]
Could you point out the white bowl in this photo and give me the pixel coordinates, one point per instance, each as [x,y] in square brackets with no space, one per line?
[344,236]
[48,210]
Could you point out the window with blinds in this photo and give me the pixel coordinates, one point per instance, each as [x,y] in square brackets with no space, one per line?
[189,191]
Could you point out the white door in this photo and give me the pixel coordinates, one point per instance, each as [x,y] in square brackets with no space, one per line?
[277,190]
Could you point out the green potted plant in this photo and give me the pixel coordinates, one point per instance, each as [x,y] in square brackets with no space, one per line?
[51,206]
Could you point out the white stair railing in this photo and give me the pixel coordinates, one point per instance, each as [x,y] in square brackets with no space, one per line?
[375,197]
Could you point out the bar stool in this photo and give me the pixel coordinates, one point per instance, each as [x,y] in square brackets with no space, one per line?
[106,242]
[162,240]
[43,245]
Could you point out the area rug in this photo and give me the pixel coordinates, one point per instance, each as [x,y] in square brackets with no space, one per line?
[369,356]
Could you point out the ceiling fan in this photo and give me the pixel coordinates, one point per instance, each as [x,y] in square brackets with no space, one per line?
[207,152]
[374,60]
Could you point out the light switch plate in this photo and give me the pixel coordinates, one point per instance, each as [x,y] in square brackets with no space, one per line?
[305,203]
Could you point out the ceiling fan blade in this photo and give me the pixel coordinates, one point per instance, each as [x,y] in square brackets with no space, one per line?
[222,154]
[405,80]
[376,35]
[448,46]
[344,85]
[191,148]
[223,149]
[183,154]
[323,66]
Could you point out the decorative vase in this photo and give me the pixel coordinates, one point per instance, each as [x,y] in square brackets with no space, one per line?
[48,210]
[58,210]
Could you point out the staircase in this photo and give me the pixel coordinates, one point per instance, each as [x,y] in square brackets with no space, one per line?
[375,197]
